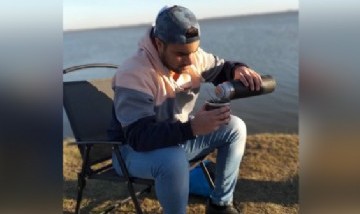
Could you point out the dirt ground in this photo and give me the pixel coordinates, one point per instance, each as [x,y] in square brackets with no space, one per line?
[268,181]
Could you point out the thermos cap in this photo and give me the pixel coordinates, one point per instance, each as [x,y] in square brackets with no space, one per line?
[224,90]
[236,89]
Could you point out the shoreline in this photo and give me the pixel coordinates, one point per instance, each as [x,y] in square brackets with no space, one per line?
[201,20]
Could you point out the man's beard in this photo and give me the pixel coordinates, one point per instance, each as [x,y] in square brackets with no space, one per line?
[178,70]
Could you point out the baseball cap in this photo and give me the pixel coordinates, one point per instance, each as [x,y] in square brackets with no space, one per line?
[176,24]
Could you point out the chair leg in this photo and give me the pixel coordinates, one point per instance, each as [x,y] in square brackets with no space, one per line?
[80,188]
[126,175]
[207,174]
[134,198]
[81,179]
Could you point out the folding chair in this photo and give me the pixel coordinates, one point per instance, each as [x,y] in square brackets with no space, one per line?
[88,105]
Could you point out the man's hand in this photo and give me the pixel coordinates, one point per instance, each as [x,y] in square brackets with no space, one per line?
[205,122]
[248,77]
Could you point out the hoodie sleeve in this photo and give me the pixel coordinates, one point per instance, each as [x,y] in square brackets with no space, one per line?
[215,69]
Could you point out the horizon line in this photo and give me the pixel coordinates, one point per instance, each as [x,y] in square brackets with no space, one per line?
[200,19]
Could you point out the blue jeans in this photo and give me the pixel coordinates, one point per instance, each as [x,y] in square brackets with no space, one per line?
[169,167]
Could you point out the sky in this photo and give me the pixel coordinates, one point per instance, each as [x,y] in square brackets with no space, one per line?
[87,14]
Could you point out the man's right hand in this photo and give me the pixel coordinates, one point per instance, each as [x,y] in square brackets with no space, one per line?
[205,122]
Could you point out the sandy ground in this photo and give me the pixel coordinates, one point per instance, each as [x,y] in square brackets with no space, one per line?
[268,181]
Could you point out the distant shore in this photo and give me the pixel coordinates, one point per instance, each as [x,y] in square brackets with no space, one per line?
[201,20]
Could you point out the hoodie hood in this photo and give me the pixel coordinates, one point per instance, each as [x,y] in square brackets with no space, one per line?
[146,45]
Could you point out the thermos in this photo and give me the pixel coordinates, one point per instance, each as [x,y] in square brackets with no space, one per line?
[236,89]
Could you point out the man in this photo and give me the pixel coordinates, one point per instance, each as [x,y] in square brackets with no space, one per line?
[155,91]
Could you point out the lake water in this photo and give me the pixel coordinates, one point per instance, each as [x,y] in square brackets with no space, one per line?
[268,43]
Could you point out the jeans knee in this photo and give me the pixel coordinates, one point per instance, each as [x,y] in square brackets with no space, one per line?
[237,128]
[237,125]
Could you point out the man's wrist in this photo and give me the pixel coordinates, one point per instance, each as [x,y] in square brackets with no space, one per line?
[237,65]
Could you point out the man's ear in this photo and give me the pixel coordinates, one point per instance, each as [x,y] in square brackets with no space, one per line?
[159,44]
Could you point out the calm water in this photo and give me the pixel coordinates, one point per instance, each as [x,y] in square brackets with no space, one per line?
[267,43]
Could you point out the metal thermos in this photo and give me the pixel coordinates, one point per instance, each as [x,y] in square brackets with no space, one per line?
[235,89]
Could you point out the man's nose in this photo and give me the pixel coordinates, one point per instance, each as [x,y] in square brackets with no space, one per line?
[188,60]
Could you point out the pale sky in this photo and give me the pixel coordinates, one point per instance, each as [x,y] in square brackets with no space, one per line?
[85,14]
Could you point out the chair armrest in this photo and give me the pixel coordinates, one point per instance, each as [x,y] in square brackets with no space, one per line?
[99,142]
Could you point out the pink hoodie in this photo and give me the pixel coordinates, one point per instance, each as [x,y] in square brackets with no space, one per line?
[145,75]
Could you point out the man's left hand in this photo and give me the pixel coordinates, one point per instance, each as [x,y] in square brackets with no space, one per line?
[248,77]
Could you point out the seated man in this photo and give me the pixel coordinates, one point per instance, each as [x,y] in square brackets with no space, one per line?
[155,91]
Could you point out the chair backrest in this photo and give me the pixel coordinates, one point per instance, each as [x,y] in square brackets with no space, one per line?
[88,105]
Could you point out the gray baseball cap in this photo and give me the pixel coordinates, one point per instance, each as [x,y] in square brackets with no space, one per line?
[177,25]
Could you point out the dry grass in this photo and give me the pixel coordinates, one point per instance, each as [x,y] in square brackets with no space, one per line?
[268,181]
